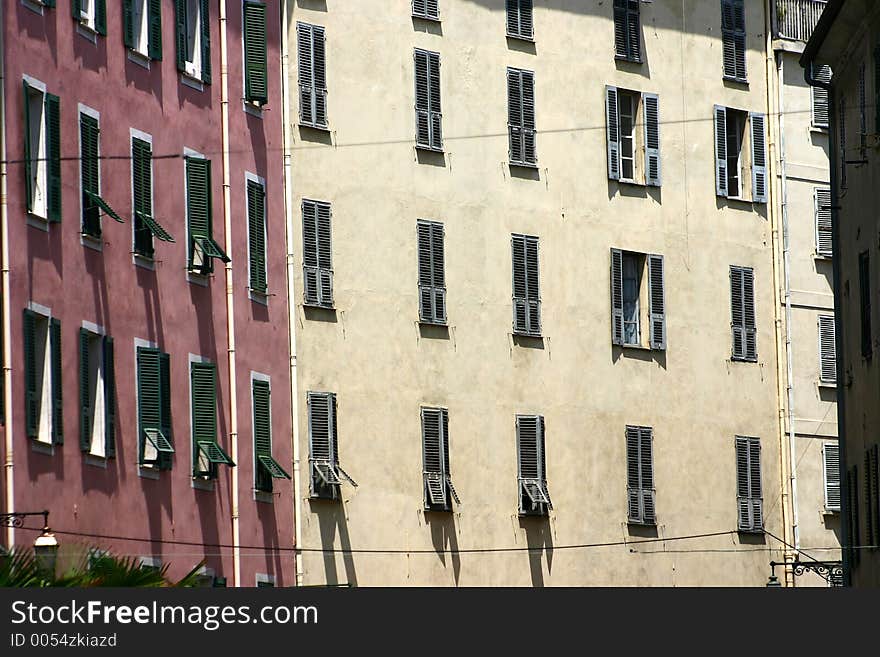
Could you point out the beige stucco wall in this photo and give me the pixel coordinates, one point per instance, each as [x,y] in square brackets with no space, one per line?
[372,353]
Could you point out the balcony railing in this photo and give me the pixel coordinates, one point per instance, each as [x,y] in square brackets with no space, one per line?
[796,19]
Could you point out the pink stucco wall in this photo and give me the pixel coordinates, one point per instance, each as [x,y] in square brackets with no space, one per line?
[80,284]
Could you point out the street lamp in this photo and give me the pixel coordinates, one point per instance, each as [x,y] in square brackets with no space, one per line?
[46,545]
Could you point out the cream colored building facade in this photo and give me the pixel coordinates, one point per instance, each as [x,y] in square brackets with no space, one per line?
[360,174]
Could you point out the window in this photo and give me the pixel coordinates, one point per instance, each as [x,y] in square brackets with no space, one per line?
[145,225]
[432,272]
[317,254]
[265,581]
[526,292]
[636,276]
[640,475]
[519,19]
[627,31]
[202,247]
[155,445]
[312,75]
[733,39]
[42,151]
[853,531]
[820,97]
[90,176]
[256,209]
[207,453]
[534,496]
[521,117]
[429,119]
[326,474]
[633,134]
[822,204]
[97,394]
[427,9]
[44,404]
[831,472]
[194,39]
[266,468]
[91,14]
[750,506]
[742,309]
[142,27]
[256,87]
[827,350]
[865,303]
[439,491]
[737,151]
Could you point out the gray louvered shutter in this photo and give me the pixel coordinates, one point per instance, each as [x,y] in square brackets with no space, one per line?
[612,116]
[312,75]
[432,275]
[748,278]
[742,301]
[820,97]
[646,473]
[822,203]
[434,457]
[435,111]
[423,122]
[438,262]
[831,462]
[428,9]
[530,152]
[519,18]
[531,463]
[310,252]
[759,158]
[616,296]
[827,350]
[720,151]
[85,393]
[520,305]
[627,31]
[109,398]
[733,39]
[657,301]
[651,103]
[742,484]
[755,491]
[515,114]
[852,497]
[325,255]
[532,286]
[320,412]
[869,503]
[633,471]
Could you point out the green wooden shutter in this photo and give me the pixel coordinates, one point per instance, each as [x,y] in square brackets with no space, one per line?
[53,154]
[165,406]
[143,192]
[31,394]
[28,162]
[89,175]
[206,41]
[109,399]
[101,17]
[256,198]
[76,9]
[180,24]
[57,384]
[203,381]
[198,206]
[154,38]
[149,412]
[262,434]
[255,59]
[128,23]
[85,393]
[49,3]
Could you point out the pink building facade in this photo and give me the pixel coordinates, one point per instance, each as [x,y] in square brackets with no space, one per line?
[140,365]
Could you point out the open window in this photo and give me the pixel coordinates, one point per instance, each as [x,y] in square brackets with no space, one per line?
[203,249]
[207,453]
[266,468]
[44,410]
[534,496]
[633,136]
[91,14]
[155,449]
[42,151]
[145,225]
[93,204]
[142,27]
[439,491]
[740,155]
[97,394]
[638,300]
[194,39]
[326,475]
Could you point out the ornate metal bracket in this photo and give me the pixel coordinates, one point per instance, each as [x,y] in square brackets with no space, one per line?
[17,519]
[830,571]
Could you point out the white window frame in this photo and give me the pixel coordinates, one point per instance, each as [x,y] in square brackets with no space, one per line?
[193,55]
[203,483]
[88,240]
[740,126]
[43,347]
[140,21]
[87,14]
[144,469]
[260,495]
[98,439]
[624,95]
[137,258]
[39,154]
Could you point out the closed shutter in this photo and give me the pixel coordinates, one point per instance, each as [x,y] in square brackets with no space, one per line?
[519,19]
[720,151]
[256,209]
[869,502]
[831,469]
[863,113]
[202,246]
[822,205]
[206,40]
[827,350]
[521,117]
[876,88]
[742,300]
[89,175]
[128,23]
[657,301]
[29,162]
[874,493]
[255,58]
[820,96]
[85,393]
[53,155]
[432,274]
[142,181]
[627,30]
[435,460]
[526,290]
[428,110]
[651,103]
[31,393]
[154,38]
[312,75]
[640,474]
[733,39]
[266,467]
[759,159]
[109,399]
[428,9]
[165,421]
[317,253]
[101,17]
[612,116]
[326,473]
[617,296]
[748,484]
[533,492]
[57,389]
[154,408]
[203,382]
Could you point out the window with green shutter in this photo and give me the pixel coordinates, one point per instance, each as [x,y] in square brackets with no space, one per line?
[90,177]
[42,151]
[193,38]
[266,468]
[207,453]
[97,394]
[145,225]
[203,249]
[155,447]
[91,14]
[43,384]
[256,88]
[256,211]
[142,27]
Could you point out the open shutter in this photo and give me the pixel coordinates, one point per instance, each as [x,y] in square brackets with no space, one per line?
[128,23]
[109,399]
[612,116]
[531,463]
[827,350]
[262,436]
[89,173]
[820,95]
[542,462]
[203,388]
[76,9]
[646,474]
[101,17]
[633,472]
[31,394]
[325,255]
[515,114]
[759,158]
[256,198]
[831,463]
[28,162]
[742,484]
[651,103]
[737,313]
[148,396]
[256,85]
[198,204]
[154,38]
[616,296]
[85,395]
[206,41]
[434,459]
[165,419]
[822,201]
[180,15]
[320,76]
[53,154]
[520,294]
[57,384]
[720,151]
[657,299]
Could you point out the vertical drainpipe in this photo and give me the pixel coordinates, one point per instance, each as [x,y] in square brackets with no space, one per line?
[833,153]
[230,305]
[770,71]
[4,274]
[291,299]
